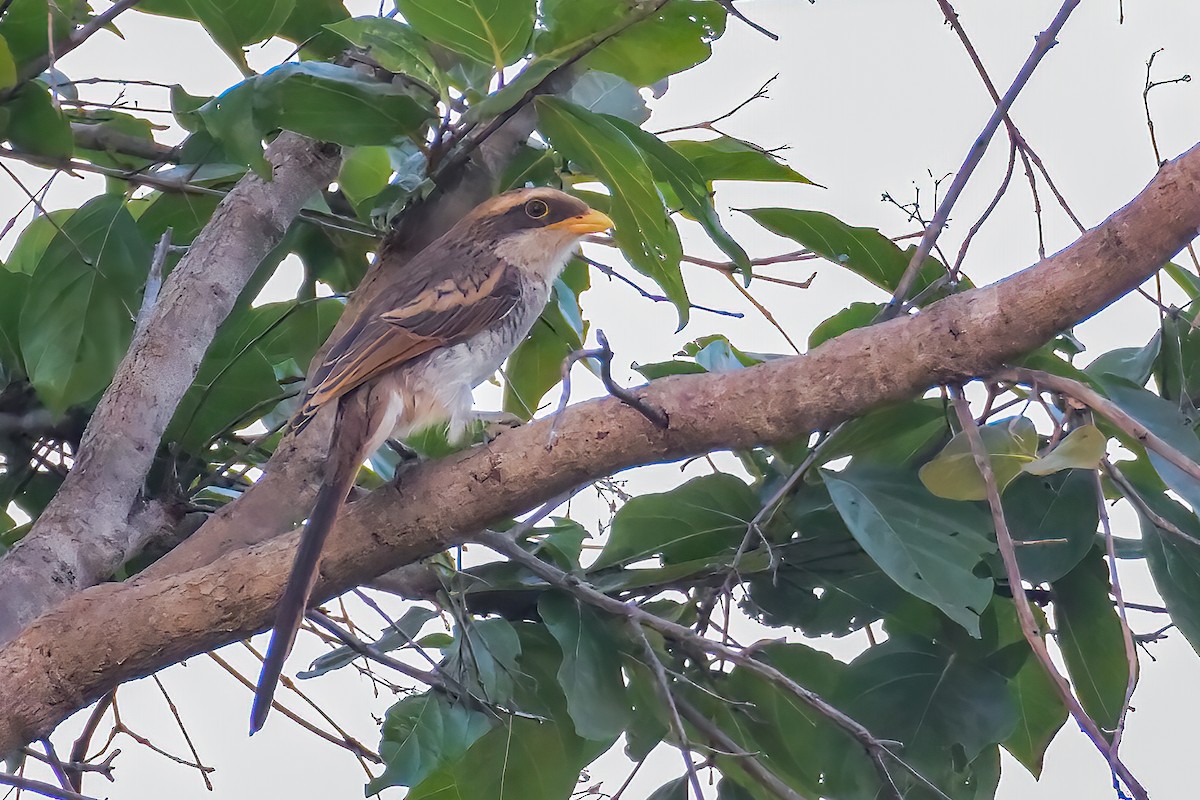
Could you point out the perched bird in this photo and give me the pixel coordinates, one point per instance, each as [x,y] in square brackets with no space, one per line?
[449,319]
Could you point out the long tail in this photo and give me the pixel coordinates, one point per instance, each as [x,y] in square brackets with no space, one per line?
[345,457]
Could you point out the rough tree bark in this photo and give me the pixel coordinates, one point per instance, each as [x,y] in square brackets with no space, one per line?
[109,634]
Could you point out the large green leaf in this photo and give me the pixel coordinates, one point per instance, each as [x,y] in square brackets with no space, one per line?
[422,734]
[856,315]
[689,186]
[590,673]
[928,545]
[1164,419]
[336,104]
[24,27]
[1175,564]
[521,758]
[13,288]
[894,435]
[34,125]
[396,46]
[34,239]
[231,23]
[82,301]
[647,236]
[1054,520]
[495,32]
[795,741]
[1011,444]
[239,377]
[863,251]
[8,67]
[307,26]
[1089,635]
[679,36]
[484,658]
[703,517]
[727,159]
[1040,715]
[942,705]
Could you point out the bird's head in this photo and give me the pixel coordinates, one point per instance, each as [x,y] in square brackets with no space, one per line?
[536,229]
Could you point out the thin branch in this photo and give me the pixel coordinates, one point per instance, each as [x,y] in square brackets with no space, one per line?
[749,761]
[728,4]
[1042,45]
[1130,493]
[657,416]
[763,310]
[373,653]
[186,736]
[759,94]
[1029,625]
[46,789]
[1119,597]
[663,687]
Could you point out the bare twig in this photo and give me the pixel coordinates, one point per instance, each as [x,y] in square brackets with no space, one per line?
[183,729]
[734,12]
[749,761]
[373,653]
[1042,45]
[39,787]
[663,687]
[79,748]
[1029,625]
[759,94]
[1130,493]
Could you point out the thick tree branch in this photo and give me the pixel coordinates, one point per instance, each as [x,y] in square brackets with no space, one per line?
[111,633]
[84,534]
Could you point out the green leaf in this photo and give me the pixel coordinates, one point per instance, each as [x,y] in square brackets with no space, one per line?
[608,94]
[1054,520]
[727,159]
[1083,448]
[8,67]
[82,301]
[336,104]
[590,673]
[1040,715]
[184,213]
[229,118]
[676,38]
[1011,444]
[689,186]
[796,742]
[1175,563]
[661,369]
[233,23]
[521,758]
[646,234]
[396,46]
[308,25]
[365,172]
[239,377]
[1164,419]
[494,32]
[857,315]
[1134,364]
[1089,635]
[942,706]
[13,288]
[24,26]
[35,125]
[863,251]
[703,517]
[927,545]
[422,734]
[484,658]
[35,238]
[677,789]
[895,435]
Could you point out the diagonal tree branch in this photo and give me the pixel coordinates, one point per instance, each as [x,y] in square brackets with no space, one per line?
[111,633]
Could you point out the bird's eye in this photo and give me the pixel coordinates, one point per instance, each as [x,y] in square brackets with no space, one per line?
[537,209]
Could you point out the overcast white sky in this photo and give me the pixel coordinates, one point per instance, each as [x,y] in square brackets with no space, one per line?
[873,95]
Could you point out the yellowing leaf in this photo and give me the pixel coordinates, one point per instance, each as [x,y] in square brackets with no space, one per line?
[1083,448]
[952,473]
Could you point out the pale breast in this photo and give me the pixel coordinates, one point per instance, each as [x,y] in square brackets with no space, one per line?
[437,388]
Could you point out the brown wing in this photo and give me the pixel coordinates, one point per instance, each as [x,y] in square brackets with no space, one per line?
[402,326]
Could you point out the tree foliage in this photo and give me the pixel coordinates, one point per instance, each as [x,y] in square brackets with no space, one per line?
[884,523]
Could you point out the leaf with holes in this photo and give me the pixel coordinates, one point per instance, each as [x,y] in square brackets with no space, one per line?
[930,546]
